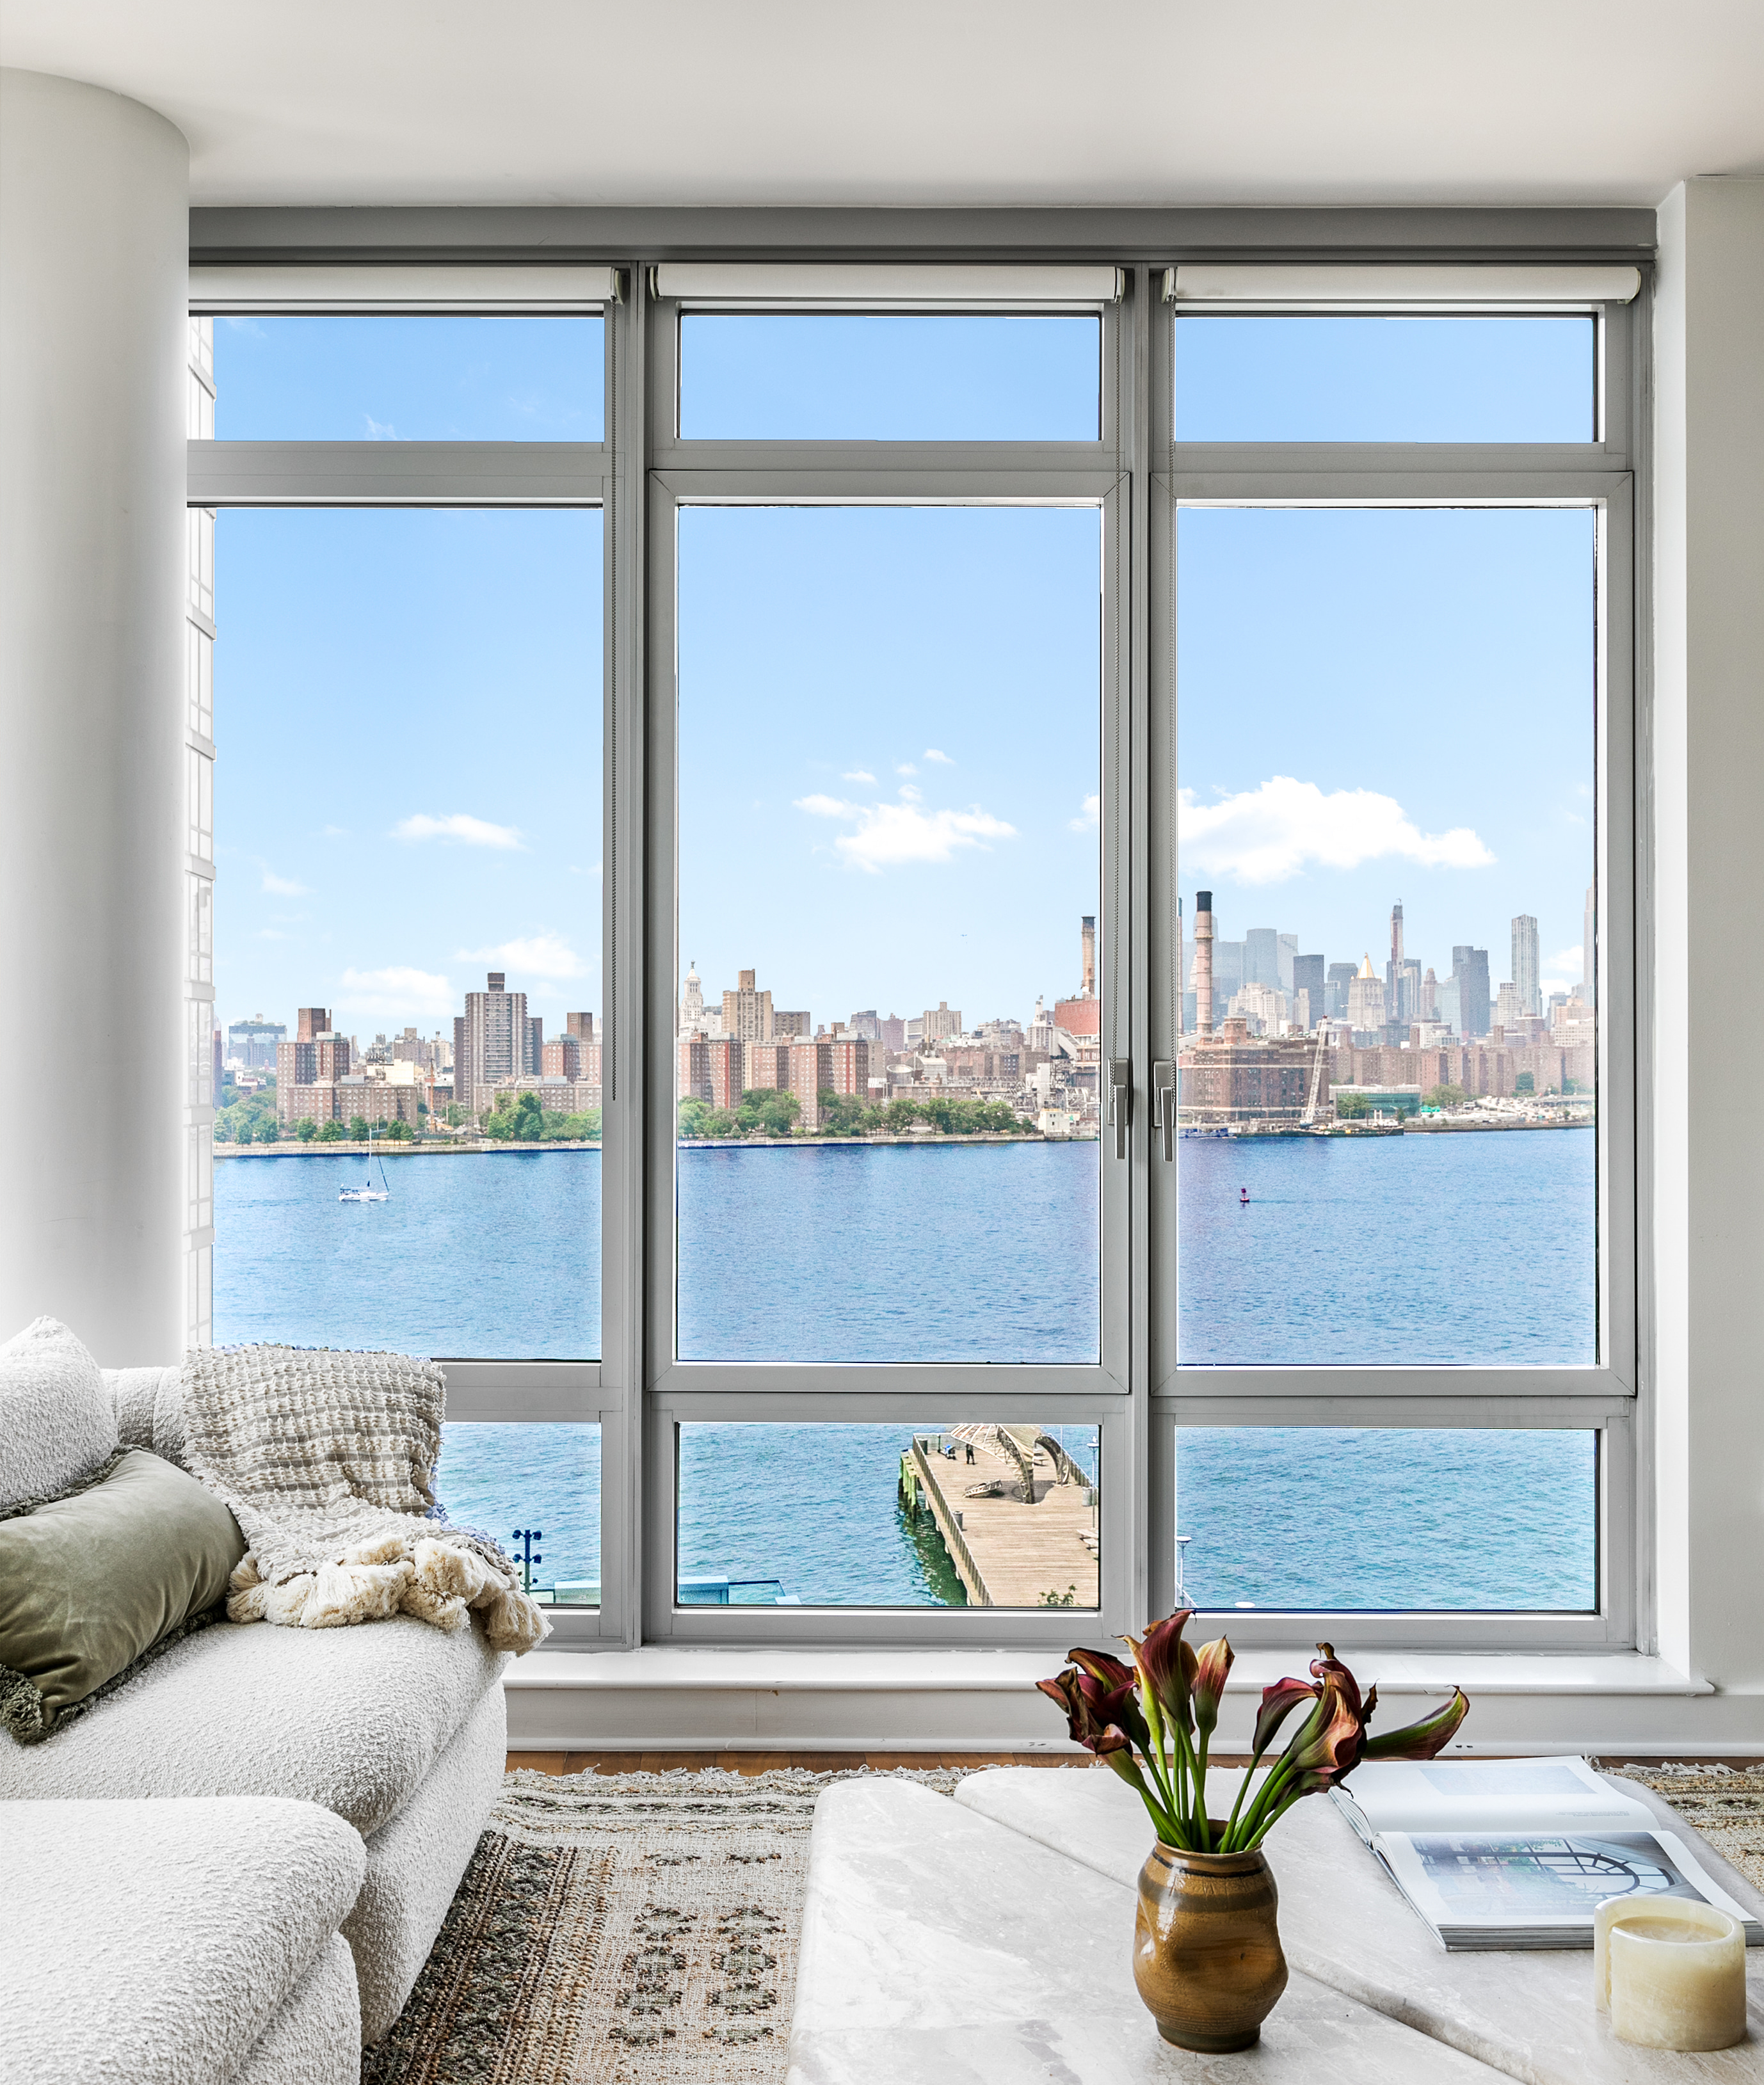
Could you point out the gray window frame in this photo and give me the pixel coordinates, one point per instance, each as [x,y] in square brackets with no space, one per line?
[639,474]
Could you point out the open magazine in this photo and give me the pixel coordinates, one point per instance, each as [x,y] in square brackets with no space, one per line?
[1517,1852]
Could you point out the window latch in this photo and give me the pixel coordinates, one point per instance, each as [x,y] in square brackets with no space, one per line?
[1121,1100]
[1163,1102]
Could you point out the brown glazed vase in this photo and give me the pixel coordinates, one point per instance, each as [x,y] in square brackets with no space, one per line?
[1206,1948]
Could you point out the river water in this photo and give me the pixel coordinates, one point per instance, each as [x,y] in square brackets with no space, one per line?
[1462,1249]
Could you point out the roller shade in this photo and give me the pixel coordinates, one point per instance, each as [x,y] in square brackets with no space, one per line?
[736,285]
[1321,287]
[379,288]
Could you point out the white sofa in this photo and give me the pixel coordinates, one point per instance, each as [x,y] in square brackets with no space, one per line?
[159,1943]
[395,1727]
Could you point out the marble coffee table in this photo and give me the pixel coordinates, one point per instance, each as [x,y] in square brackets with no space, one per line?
[943,1946]
[1344,1924]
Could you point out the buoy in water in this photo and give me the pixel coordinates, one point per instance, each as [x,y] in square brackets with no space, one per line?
[1243,1198]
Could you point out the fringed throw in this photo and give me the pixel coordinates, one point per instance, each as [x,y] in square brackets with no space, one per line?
[327,1461]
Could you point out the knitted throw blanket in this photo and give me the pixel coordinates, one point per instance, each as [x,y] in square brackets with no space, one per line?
[327,1462]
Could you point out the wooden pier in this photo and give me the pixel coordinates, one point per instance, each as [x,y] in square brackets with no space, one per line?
[1007,1550]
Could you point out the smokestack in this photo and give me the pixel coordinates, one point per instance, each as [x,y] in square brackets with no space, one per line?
[1087,941]
[1203,965]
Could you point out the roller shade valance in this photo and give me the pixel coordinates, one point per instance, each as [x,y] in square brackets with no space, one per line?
[738,286]
[422,288]
[1321,285]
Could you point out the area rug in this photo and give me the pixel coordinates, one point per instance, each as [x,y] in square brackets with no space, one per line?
[620,1929]
[1724,1803]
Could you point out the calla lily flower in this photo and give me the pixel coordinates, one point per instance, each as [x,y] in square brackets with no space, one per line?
[1278,1702]
[1168,1665]
[1212,1665]
[1144,1715]
[1423,1740]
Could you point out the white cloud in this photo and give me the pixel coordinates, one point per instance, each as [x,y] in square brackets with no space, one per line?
[394,991]
[906,767]
[1266,834]
[909,795]
[284,886]
[471,832]
[333,832]
[544,955]
[240,324]
[888,835]
[380,431]
[1089,811]
[1569,961]
[942,759]
[271,934]
[858,775]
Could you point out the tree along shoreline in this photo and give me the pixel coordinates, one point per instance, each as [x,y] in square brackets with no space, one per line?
[288,1148]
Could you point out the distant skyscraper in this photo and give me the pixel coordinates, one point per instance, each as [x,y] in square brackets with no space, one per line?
[491,1038]
[1428,1009]
[691,1018]
[1395,1009]
[747,1011]
[939,1021]
[1307,975]
[866,1023]
[1589,947]
[1365,998]
[1528,971]
[1262,958]
[1340,976]
[252,1043]
[1285,955]
[1470,967]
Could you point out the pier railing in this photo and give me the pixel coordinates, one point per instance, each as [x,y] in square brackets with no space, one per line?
[943,1514]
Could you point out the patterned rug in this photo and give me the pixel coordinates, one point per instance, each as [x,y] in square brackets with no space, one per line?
[620,1929]
[1724,1803]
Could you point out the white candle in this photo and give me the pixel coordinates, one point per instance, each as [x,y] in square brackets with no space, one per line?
[1671,1971]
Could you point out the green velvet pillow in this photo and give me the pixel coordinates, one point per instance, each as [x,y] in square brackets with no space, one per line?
[92,1584]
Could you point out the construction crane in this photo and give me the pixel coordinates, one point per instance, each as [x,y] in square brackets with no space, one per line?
[1309,1115]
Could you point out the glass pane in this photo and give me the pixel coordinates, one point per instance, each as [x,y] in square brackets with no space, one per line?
[405,378]
[1445,1519]
[408,834]
[888,1023]
[821,376]
[536,1491]
[931,1516]
[1355,379]
[1386,840]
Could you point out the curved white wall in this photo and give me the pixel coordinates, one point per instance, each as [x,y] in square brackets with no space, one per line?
[93,274]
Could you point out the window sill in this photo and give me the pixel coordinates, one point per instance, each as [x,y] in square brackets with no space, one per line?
[664,1697]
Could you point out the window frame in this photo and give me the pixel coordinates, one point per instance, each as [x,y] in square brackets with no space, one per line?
[639,474]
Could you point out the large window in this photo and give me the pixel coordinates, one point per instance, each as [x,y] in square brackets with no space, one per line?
[982,915]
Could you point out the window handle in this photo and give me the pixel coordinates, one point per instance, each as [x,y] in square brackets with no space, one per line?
[1163,1102]
[1121,1100]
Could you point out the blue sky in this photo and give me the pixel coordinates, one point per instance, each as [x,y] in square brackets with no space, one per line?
[889,719]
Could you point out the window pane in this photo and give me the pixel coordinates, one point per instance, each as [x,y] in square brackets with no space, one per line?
[541,1483]
[1386,752]
[875,377]
[1446,1519]
[876,1516]
[408,828]
[1354,379]
[403,379]
[888,1023]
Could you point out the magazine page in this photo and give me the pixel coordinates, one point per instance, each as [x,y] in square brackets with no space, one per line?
[1514,1796]
[1543,1886]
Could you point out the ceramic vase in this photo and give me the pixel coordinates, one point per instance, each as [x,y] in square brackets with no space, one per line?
[1207,1957]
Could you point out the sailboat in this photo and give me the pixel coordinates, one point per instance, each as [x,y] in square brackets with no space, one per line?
[367,1192]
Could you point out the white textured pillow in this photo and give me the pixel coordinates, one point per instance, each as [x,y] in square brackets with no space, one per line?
[57,1425]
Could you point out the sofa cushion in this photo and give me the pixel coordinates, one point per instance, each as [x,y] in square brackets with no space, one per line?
[153,1944]
[57,1425]
[352,1718]
[90,1583]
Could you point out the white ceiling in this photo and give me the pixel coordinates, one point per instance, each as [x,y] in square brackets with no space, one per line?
[1156,102]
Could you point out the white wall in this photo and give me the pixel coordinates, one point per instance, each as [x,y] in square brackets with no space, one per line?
[93,287]
[1708,771]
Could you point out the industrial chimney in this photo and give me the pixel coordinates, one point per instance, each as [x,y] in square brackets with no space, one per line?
[1203,965]
[1087,941]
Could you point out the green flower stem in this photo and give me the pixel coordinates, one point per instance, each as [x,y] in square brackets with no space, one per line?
[1272,1790]
[1170,1790]
[1161,1822]
[1297,1796]
[1249,1775]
